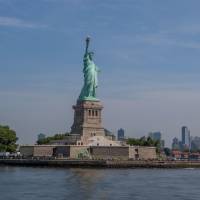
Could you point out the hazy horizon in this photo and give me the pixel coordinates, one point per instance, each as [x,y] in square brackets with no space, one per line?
[148,53]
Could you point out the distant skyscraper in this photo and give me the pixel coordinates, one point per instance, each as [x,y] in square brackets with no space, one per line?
[195,143]
[120,134]
[155,135]
[185,136]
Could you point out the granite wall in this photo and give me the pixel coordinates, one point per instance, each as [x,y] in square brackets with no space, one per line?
[90,152]
[27,151]
[100,152]
[142,153]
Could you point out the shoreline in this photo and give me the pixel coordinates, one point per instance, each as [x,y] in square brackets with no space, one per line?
[64,163]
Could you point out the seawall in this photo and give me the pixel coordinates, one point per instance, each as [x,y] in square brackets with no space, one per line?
[99,163]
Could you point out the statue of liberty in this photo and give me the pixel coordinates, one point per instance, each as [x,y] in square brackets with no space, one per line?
[90,71]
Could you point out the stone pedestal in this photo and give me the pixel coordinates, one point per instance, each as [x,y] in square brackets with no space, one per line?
[87,119]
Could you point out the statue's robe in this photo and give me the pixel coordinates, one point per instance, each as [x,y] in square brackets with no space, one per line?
[90,71]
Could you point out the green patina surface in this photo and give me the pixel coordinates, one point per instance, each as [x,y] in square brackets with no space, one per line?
[90,71]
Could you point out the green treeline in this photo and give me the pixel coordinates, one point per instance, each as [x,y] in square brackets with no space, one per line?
[144,141]
[47,140]
[8,139]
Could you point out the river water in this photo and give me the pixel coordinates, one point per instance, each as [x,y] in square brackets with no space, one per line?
[67,184]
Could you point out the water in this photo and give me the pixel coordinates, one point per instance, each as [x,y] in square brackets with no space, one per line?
[67,184]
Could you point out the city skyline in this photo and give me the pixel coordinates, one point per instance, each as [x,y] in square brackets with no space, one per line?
[149,49]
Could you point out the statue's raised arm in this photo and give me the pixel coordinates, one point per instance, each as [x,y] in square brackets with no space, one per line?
[87,44]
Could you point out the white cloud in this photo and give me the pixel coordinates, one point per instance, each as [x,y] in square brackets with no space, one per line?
[15,22]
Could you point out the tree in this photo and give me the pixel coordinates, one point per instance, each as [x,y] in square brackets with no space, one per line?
[47,140]
[8,139]
[167,151]
[145,141]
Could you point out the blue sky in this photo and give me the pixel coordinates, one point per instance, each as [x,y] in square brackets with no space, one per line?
[147,50]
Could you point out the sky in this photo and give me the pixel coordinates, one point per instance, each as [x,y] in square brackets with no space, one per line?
[148,52]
